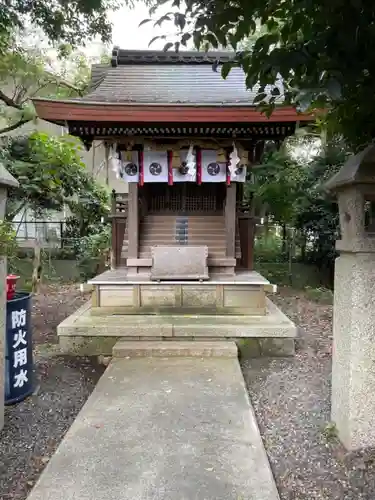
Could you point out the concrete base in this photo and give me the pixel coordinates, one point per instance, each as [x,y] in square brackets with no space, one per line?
[353,373]
[162,429]
[117,293]
[162,349]
[83,334]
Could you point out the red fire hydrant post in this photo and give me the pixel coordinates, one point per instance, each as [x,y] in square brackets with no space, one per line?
[11,285]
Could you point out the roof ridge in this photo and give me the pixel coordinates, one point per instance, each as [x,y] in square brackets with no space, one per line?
[124,57]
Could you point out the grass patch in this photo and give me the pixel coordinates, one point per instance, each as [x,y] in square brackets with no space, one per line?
[54,271]
[321,295]
[302,276]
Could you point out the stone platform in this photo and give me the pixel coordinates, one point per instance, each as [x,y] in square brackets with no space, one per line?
[117,292]
[269,334]
[162,429]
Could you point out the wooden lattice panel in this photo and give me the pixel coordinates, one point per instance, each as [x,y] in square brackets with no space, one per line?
[186,197]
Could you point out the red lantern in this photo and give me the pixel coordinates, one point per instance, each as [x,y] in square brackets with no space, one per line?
[11,285]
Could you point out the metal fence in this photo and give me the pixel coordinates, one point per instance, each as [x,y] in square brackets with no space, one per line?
[48,234]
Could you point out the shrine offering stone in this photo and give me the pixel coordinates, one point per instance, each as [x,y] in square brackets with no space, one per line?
[179,263]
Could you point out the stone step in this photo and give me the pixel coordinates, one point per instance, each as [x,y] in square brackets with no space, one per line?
[212,246]
[178,348]
[197,221]
[172,230]
[82,323]
[146,254]
[199,218]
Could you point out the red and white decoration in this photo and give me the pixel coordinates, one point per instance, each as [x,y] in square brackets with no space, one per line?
[212,170]
[114,161]
[197,165]
[188,170]
[155,166]
[236,170]
[129,170]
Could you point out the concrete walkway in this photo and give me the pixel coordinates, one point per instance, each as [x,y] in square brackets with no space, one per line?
[162,429]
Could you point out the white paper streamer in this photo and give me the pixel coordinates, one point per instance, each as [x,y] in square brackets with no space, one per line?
[237,174]
[234,162]
[191,163]
[114,161]
[189,158]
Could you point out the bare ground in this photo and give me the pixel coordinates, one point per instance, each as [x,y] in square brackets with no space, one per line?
[50,306]
[291,398]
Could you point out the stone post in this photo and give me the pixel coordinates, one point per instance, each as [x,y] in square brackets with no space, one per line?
[6,181]
[353,353]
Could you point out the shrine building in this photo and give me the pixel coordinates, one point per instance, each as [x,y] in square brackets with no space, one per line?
[184,141]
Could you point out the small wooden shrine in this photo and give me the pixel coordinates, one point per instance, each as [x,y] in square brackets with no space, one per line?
[183,140]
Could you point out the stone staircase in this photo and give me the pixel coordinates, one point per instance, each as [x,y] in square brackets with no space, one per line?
[194,230]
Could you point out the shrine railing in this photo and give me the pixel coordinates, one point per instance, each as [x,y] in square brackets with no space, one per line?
[118,216]
[119,204]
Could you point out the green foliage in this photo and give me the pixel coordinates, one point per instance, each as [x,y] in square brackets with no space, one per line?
[330,432]
[71,22]
[54,269]
[88,211]
[268,249]
[27,72]
[8,244]
[301,277]
[322,51]
[49,170]
[320,294]
[317,215]
[293,192]
[52,175]
[278,183]
[94,252]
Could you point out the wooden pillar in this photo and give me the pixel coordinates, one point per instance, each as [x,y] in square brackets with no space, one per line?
[114,244]
[230,220]
[133,220]
[247,236]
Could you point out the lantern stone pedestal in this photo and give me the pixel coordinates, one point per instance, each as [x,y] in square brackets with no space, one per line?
[353,361]
[6,181]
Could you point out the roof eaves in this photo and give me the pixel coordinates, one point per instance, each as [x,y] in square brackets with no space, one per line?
[124,57]
[155,104]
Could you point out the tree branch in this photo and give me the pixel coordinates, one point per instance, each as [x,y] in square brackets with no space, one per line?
[14,126]
[60,81]
[8,101]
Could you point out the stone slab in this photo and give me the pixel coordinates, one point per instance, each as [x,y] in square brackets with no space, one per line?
[273,324]
[183,348]
[120,276]
[179,262]
[163,430]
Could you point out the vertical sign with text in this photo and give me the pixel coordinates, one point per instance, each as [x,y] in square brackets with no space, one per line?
[18,349]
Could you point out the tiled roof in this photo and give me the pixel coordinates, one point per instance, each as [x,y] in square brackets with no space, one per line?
[190,80]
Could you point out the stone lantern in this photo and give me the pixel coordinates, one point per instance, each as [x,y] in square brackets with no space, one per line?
[6,181]
[353,358]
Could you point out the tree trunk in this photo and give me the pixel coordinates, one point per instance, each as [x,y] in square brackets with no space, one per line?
[303,247]
[284,241]
[37,268]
